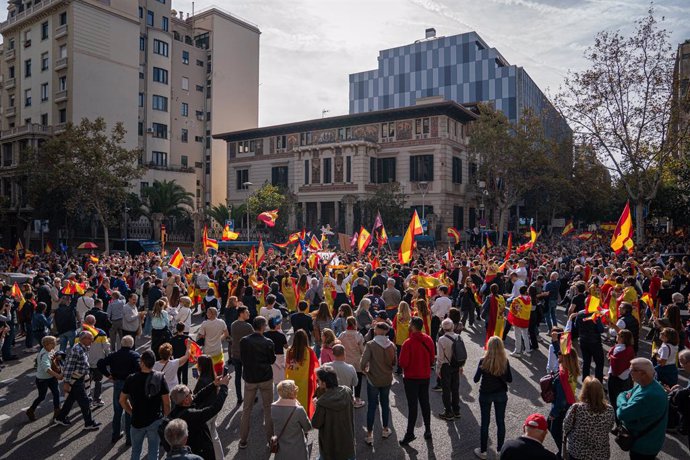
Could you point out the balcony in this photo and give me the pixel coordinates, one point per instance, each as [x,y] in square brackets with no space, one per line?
[9,84]
[61,31]
[170,167]
[10,111]
[32,129]
[29,13]
[10,54]
[60,96]
[61,63]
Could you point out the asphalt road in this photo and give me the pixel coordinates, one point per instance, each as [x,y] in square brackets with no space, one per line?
[41,439]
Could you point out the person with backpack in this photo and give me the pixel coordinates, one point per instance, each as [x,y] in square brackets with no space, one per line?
[494,373]
[378,362]
[197,415]
[146,398]
[450,358]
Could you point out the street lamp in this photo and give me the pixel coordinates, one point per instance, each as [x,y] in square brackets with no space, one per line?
[126,215]
[423,187]
[246,185]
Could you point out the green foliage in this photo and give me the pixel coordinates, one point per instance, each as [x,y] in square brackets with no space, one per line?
[219,212]
[168,198]
[268,198]
[673,197]
[389,200]
[88,166]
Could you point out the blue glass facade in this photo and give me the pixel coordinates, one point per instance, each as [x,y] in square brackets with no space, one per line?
[462,68]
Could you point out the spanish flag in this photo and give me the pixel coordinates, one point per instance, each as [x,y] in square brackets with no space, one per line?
[496,320]
[208,243]
[454,234]
[18,296]
[94,259]
[315,244]
[585,236]
[214,286]
[229,235]
[407,246]
[504,265]
[374,262]
[647,299]
[194,350]
[566,339]
[176,261]
[48,248]
[489,244]
[313,260]
[260,253]
[608,226]
[70,289]
[363,240]
[568,229]
[532,235]
[592,305]
[623,234]
[268,217]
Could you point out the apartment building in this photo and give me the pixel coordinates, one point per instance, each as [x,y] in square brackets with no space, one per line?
[139,62]
[333,164]
[681,96]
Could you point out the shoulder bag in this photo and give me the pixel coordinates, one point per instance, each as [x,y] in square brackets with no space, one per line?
[625,439]
[275,439]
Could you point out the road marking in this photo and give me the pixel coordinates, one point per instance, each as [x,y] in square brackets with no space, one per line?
[7,381]
[4,417]
[31,375]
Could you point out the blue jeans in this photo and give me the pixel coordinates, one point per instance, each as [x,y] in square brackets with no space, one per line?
[550,314]
[500,401]
[118,411]
[148,327]
[9,342]
[66,338]
[373,395]
[151,434]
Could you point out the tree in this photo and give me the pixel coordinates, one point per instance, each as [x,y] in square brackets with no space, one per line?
[268,198]
[509,154]
[592,195]
[219,212]
[167,198]
[389,200]
[87,165]
[621,105]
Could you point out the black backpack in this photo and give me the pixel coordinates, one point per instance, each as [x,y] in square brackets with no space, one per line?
[459,355]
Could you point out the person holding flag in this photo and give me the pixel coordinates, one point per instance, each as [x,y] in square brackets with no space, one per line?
[493,312]
[565,389]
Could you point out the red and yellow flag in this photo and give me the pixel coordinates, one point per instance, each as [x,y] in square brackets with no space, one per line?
[315,244]
[585,236]
[94,259]
[260,253]
[568,229]
[454,234]
[229,235]
[19,246]
[374,262]
[194,350]
[268,217]
[623,234]
[407,246]
[208,243]
[363,240]
[593,304]
[176,261]
[48,248]
[313,260]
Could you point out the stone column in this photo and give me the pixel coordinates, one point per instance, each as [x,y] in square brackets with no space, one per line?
[292,218]
[336,217]
[198,224]
[318,213]
[349,201]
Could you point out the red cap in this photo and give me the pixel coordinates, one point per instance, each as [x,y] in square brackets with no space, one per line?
[537,421]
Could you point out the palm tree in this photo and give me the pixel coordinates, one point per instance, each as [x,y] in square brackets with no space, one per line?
[219,212]
[167,198]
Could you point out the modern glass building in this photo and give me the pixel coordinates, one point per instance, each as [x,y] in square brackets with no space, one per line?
[461,68]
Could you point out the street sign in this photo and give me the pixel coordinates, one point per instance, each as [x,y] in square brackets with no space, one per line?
[425,223]
[230,223]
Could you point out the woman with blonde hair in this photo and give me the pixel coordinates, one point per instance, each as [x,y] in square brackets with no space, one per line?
[493,371]
[401,326]
[423,312]
[300,364]
[587,424]
[290,423]
[363,316]
[184,313]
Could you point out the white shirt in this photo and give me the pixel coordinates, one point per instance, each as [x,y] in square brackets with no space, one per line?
[184,315]
[668,352]
[84,304]
[170,371]
[516,288]
[269,313]
[213,332]
[441,307]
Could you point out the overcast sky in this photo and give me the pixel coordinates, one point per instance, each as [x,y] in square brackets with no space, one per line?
[309,47]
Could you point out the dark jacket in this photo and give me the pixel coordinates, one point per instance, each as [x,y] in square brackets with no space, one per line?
[199,439]
[587,330]
[334,418]
[257,354]
[119,365]
[65,319]
[491,383]
[155,293]
[101,319]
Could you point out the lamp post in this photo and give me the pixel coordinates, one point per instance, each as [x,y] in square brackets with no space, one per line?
[126,215]
[423,187]
[246,185]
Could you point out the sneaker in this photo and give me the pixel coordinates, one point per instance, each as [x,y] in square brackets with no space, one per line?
[437,388]
[448,416]
[479,454]
[359,403]
[93,426]
[31,414]
[407,439]
[369,439]
[386,433]
[456,414]
[427,435]
[97,403]
[528,353]
[516,354]
[61,422]
[242,445]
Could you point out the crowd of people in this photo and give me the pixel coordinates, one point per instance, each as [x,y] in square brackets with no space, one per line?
[306,338]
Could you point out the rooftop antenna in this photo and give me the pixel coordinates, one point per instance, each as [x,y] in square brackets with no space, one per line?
[324,112]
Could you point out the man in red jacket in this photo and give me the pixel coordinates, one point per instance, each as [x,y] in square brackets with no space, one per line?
[416,359]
